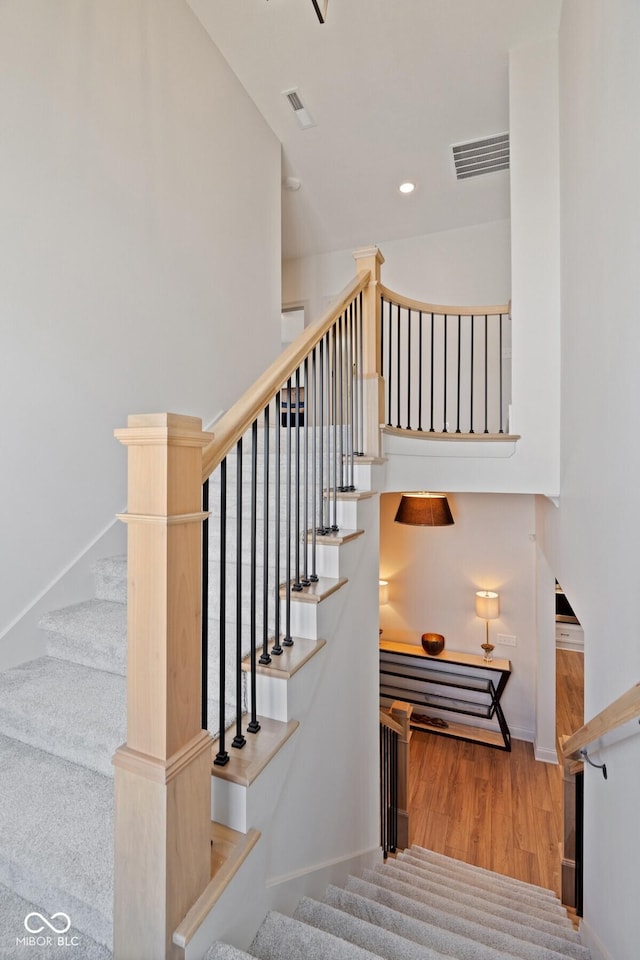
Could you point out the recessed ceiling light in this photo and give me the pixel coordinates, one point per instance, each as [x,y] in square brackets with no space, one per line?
[407,187]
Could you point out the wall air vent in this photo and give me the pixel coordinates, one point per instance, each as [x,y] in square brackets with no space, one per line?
[300,112]
[476,157]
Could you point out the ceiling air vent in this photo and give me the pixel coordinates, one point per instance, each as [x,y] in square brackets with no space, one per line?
[476,157]
[300,112]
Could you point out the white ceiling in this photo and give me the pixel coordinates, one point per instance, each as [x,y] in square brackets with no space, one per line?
[391,84]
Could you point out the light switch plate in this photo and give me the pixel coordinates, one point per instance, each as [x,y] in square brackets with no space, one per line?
[506,640]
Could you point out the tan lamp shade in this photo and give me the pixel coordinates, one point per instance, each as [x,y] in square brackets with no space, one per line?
[487,605]
[424,510]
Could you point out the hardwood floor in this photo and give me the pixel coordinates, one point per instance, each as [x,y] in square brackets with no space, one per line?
[498,810]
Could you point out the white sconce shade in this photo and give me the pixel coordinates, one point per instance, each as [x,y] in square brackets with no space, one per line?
[487,605]
[383,590]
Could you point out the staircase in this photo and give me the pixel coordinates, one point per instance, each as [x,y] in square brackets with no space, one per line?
[420,906]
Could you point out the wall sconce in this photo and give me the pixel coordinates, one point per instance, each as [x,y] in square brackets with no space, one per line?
[424,510]
[383,591]
[487,608]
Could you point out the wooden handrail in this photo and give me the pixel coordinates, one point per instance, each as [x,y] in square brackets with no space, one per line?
[625,708]
[386,721]
[490,311]
[237,420]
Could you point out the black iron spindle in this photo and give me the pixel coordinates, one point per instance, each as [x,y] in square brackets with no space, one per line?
[486,374]
[500,372]
[459,371]
[264,656]
[340,374]
[409,358]
[420,372]
[431,429]
[204,623]
[334,403]
[322,527]
[351,438]
[297,585]
[276,650]
[360,334]
[389,377]
[313,576]
[253,726]
[287,641]
[305,581]
[471,430]
[239,740]
[398,367]
[445,428]
[222,757]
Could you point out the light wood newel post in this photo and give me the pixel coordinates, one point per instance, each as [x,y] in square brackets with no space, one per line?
[401,713]
[163,772]
[369,259]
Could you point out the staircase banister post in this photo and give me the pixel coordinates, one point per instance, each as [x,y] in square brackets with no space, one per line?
[163,771]
[401,713]
[370,259]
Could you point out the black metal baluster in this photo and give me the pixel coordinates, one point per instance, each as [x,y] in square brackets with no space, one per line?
[409,369]
[459,373]
[313,577]
[239,740]
[486,373]
[398,367]
[360,334]
[500,369]
[276,650]
[287,641]
[444,411]
[322,527]
[264,656]
[297,586]
[351,408]
[431,430]
[420,372]
[339,328]
[471,430]
[393,806]
[305,523]
[253,726]
[334,403]
[204,613]
[222,756]
[389,377]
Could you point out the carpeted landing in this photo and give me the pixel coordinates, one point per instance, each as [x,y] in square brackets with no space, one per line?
[419,906]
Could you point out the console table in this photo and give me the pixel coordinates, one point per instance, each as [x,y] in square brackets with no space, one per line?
[460,683]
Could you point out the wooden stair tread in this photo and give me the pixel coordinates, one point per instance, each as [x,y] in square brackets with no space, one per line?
[315,592]
[229,850]
[247,763]
[335,539]
[450,435]
[351,494]
[286,664]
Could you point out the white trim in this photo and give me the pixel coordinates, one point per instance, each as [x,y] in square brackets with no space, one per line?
[327,864]
[545,754]
[593,942]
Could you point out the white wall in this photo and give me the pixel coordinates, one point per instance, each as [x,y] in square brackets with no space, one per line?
[594,550]
[470,265]
[433,575]
[139,189]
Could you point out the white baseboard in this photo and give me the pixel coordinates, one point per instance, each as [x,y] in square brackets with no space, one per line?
[590,940]
[344,864]
[545,754]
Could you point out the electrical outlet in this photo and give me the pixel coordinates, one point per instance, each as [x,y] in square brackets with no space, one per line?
[506,640]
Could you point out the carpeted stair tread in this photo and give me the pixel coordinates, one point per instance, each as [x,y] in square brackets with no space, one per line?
[110,574]
[66,709]
[360,932]
[551,911]
[442,921]
[283,938]
[56,836]
[224,951]
[460,909]
[14,910]
[93,633]
[558,926]
[478,872]
[411,928]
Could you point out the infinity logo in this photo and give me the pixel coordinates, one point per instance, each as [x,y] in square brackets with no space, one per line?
[47,923]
